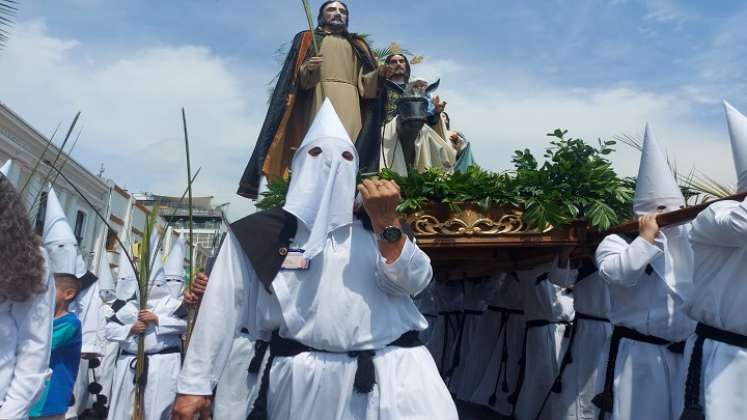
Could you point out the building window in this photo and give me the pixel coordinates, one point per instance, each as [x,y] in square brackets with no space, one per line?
[111,241]
[41,212]
[80,221]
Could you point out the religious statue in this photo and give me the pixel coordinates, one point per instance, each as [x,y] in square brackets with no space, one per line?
[344,70]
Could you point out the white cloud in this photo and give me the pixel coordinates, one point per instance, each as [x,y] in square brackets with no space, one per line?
[131,109]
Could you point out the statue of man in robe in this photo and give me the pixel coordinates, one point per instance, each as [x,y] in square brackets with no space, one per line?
[343,70]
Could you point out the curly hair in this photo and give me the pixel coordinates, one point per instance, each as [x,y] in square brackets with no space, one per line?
[20,249]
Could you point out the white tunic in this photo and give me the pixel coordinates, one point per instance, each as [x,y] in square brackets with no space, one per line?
[163,369]
[580,380]
[646,375]
[543,301]
[349,299]
[499,377]
[719,240]
[26,331]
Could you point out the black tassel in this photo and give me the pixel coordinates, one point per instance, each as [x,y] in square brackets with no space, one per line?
[95,388]
[365,374]
[513,398]
[492,400]
[94,363]
[504,385]
[603,401]
[557,387]
[694,413]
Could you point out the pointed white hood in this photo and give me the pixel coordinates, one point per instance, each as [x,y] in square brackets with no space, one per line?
[157,288]
[107,288]
[737,123]
[174,269]
[5,169]
[656,185]
[322,187]
[58,238]
[126,288]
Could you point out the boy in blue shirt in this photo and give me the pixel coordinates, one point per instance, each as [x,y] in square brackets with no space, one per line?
[66,344]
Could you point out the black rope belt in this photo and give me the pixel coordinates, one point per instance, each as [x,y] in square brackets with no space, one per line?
[605,400]
[501,309]
[365,375]
[514,397]
[133,363]
[557,385]
[502,370]
[693,408]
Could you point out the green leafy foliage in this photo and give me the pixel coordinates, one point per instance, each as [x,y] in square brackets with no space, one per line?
[575,182]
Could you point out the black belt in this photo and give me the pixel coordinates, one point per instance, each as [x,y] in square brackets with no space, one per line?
[693,408]
[501,309]
[587,317]
[605,400]
[133,363]
[365,375]
[260,348]
[557,385]
[514,397]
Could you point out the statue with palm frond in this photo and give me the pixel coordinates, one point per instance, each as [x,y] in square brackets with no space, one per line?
[329,62]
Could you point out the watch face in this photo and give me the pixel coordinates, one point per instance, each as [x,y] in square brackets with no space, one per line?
[391,234]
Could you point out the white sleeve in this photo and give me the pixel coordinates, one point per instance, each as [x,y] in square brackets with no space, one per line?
[216,322]
[409,275]
[34,320]
[116,332]
[622,264]
[722,224]
[168,323]
[91,319]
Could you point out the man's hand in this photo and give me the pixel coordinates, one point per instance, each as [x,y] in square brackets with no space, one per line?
[385,71]
[647,226]
[187,406]
[313,70]
[147,317]
[138,328]
[199,285]
[440,106]
[380,199]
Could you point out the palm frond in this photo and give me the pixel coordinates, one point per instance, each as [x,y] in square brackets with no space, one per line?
[708,187]
[8,10]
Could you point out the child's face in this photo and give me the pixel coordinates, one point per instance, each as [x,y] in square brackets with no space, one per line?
[64,291]
[420,86]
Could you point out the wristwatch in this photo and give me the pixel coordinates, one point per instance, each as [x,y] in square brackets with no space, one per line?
[390,234]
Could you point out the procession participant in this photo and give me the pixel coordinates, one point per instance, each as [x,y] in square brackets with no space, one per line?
[174,267]
[449,299]
[8,170]
[577,382]
[718,351]
[62,246]
[649,279]
[476,337]
[27,297]
[548,311]
[161,326]
[66,345]
[399,69]
[506,315]
[344,326]
[346,72]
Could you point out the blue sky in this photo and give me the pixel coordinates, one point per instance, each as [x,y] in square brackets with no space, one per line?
[511,71]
